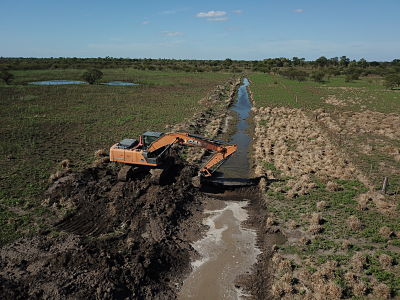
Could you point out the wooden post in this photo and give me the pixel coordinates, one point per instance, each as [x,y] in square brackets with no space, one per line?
[296,99]
[385,184]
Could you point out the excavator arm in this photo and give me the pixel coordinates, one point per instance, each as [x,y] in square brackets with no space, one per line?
[221,149]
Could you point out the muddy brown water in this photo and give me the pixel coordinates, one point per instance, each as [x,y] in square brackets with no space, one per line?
[228,248]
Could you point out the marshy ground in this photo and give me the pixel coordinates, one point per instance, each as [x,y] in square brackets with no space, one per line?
[324,229]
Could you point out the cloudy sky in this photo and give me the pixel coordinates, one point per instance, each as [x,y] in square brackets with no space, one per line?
[218,29]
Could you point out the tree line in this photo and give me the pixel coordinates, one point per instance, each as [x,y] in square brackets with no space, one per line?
[265,65]
[296,68]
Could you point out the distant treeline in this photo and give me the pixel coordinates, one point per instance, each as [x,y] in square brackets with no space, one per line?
[334,66]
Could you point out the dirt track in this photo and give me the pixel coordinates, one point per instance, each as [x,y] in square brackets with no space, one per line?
[126,239]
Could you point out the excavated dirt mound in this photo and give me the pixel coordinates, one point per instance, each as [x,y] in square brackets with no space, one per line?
[122,240]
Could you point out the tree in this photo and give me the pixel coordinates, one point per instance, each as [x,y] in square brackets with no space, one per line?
[344,61]
[322,61]
[334,61]
[392,81]
[92,76]
[362,63]
[296,61]
[6,76]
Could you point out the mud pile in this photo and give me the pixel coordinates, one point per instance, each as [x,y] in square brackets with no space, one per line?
[123,239]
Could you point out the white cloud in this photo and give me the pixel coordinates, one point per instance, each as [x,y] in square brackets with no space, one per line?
[221,19]
[298,10]
[211,14]
[145,22]
[172,33]
[237,11]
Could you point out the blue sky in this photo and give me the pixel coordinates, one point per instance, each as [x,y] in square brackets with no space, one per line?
[204,29]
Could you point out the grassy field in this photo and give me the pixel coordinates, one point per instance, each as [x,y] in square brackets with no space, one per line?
[43,125]
[349,105]
[278,91]
[329,145]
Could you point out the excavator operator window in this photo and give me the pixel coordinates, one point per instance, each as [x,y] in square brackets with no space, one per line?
[147,140]
[149,137]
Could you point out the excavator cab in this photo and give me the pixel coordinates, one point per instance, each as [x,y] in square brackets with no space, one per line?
[149,137]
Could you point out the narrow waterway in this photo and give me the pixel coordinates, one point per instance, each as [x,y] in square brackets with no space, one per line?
[228,248]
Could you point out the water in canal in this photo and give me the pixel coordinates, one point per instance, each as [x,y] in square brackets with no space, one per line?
[228,249]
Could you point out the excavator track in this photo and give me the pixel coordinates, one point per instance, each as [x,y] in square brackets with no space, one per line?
[82,224]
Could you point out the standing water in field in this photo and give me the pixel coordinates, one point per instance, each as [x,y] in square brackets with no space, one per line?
[57,82]
[63,82]
[228,249]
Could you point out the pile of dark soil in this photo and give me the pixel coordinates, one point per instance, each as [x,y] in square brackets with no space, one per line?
[123,239]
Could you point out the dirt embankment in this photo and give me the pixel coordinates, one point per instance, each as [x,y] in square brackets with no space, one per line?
[114,239]
[125,239]
[214,120]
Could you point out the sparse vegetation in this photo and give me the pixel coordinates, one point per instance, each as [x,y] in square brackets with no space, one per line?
[330,144]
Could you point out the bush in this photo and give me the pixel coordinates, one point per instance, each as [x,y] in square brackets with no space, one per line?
[6,76]
[92,76]
[318,76]
[294,74]
[351,77]
[392,81]
[353,74]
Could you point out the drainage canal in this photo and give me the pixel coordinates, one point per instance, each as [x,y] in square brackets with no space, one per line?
[228,249]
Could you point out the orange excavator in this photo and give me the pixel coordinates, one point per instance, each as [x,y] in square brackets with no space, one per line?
[152,148]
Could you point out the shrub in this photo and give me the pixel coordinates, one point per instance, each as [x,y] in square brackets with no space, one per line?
[317,76]
[354,223]
[351,77]
[392,81]
[353,74]
[6,76]
[92,76]
[385,260]
[294,74]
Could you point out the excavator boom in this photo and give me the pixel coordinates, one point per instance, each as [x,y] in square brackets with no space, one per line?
[149,150]
[222,149]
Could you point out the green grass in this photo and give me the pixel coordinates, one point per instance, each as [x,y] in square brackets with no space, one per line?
[42,125]
[275,90]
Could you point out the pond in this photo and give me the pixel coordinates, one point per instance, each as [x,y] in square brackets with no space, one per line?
[57,82]
[61,82]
